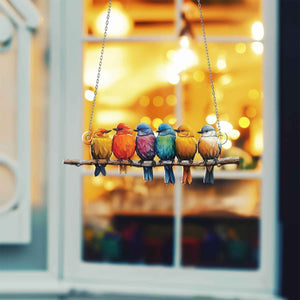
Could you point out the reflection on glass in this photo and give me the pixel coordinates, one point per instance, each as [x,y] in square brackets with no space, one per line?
[220,224]
[127,221]
[134,17]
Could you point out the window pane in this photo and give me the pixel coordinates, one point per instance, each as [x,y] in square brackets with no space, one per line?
[127,221]
[224,18]
[134,17]
[237,73]
[133,86]
[221,223]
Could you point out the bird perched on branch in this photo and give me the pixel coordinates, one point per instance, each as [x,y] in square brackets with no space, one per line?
[101,147]
[209,147]
[165,149]
[186,148]
[145,141]
[123,145]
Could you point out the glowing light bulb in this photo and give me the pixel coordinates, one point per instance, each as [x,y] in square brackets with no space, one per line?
[240,48]
[158,101]
[172,77]
[227,145]
[146,120]
[225,79]
[89,95]
[244,122]
[234,134]
[226,126]
[221,63]
[257,47]
[257,30]
[199,76]
[184,42]
[211,119]
[156,122]
[171,100]
[120,24]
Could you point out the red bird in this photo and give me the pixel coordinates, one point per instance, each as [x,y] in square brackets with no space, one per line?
[123,146]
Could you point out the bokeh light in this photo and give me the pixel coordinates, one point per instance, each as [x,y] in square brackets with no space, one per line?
[244,122]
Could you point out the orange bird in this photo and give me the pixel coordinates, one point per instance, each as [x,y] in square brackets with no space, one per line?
[123,146]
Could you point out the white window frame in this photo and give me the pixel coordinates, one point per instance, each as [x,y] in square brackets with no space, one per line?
[169,280]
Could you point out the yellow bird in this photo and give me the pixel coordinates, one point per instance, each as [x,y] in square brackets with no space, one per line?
[186,148]
[101,148]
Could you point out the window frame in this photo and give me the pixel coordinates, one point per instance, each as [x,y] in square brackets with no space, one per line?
[169,280]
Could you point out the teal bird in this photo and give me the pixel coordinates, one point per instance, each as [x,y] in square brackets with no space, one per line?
[165,149]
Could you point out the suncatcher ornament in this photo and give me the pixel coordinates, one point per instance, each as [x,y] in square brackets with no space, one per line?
[167,144]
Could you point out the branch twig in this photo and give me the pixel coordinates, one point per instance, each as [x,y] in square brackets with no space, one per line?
[135,163]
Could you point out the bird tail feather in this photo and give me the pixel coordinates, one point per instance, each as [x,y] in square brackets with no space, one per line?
[100,169]
[187,175]
[123,169]
[209,175]
[169,175]
[148,173]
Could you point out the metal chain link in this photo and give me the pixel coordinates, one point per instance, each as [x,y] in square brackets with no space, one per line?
[99,67]
[209,67]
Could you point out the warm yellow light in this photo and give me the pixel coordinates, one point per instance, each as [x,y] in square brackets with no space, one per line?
[244,122]
[234,134]
[156,122]
[171,100]
[226,126]
[109,117]
[119,25]
[144,101]
[257,30]
[172,77]
[109,185]
[258,144]
[251,112]
[184,41]
[257,47]
[211,119]
[170,54]
[221,63]
[227,145]
[97,180]
[253,94]
[158,101]
[240,48]
[172,121]
[146,120]
[219,94]
[225,79]
[199,76]
[183,59]
[89,95]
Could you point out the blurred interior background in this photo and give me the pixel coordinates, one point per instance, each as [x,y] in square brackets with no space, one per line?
[155,71]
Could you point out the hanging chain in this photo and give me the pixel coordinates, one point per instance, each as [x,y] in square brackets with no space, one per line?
[99,68]
[209,67]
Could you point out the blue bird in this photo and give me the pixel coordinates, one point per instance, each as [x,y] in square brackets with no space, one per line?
[165,149]
[145,140]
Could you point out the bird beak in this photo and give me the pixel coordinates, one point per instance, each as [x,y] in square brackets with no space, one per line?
[136,130]
[200,131]
[177,130]
[115,129]
[107,131]
[158,131]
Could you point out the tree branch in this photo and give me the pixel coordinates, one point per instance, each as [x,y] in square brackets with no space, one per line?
[135,163]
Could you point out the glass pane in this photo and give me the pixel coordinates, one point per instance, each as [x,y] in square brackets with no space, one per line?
[134,86]
[225,17]
[237,73]
[129,17]
[221,224]
[127,221]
